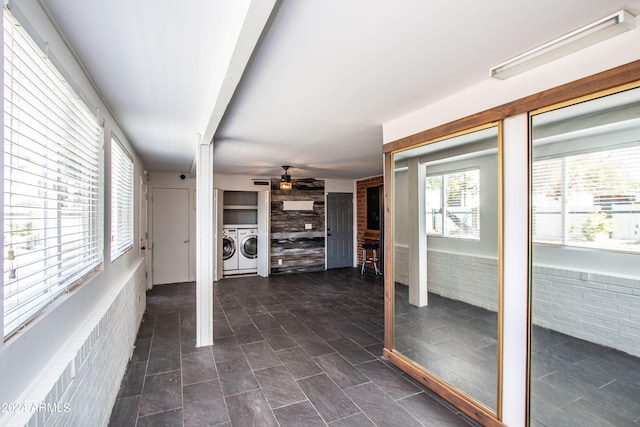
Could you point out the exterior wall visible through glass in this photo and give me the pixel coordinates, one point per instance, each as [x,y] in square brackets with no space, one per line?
[585,201]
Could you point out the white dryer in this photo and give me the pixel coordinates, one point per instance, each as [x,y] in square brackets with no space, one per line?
[229,250]
[248,250]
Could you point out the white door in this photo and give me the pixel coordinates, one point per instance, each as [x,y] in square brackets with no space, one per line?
[144,231]
[170,235]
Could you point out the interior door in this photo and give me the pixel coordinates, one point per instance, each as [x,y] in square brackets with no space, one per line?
[339,230]
[144,230]
[170,235]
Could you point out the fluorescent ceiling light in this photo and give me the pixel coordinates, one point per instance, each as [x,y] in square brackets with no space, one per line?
[588,35]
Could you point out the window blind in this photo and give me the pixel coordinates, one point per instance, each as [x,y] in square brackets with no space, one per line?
[52,228]
[590,200]
[121,200]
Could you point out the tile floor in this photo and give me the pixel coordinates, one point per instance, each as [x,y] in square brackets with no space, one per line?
[579,383]
[290,350]
[456,341]
[574,382]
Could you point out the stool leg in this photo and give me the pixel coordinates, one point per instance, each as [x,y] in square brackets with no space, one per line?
[375,262]
[364,261]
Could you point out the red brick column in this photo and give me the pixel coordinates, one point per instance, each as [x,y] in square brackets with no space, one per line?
[361,209]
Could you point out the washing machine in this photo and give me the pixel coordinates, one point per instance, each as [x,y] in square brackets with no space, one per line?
[229,250]
[247,250]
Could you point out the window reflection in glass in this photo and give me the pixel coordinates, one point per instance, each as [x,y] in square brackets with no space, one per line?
[585,332]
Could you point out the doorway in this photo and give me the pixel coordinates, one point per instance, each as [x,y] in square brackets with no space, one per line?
[339,230]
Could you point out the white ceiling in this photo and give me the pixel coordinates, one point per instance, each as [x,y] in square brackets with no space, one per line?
[324,77]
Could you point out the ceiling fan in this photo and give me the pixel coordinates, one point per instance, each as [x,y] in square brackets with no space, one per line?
[286,182]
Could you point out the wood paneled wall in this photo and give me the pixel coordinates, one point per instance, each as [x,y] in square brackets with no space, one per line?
[300,249]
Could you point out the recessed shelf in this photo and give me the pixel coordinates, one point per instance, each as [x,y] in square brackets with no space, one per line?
[248,207]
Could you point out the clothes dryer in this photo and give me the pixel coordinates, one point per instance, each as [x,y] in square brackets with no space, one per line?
[248,250]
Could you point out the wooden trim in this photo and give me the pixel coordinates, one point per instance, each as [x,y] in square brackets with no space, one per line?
[605,80]
[478,412]
[389,253]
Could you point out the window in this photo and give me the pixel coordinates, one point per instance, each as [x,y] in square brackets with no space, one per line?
[51,219]
[589,200]
[121,200]
[453,204]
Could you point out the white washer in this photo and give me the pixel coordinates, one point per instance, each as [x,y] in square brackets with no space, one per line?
[229,250]
[248,250]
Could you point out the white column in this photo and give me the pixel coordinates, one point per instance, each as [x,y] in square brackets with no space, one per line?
[205,246]
[516,262]
[417,236]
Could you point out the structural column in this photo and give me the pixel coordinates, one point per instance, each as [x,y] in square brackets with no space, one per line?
[418,295]
[516,267]
[205,245]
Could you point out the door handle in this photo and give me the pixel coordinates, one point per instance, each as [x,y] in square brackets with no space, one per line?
[186,241]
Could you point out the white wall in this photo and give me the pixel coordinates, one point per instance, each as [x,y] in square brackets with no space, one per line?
[39,363]
[491,93]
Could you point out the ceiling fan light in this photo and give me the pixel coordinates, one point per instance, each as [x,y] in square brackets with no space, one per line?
[286,185]
[285,179]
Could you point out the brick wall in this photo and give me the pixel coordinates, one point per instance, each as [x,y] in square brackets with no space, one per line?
[595,307]
[599,308]
[467,278]
[81,386]
[361,210]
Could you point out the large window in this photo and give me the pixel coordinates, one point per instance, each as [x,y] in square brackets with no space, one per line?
[453,204]
[51,219]
[121,200]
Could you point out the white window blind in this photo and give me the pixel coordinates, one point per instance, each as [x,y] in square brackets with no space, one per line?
[589,200]
[453,204]
[121,200]
[52,227]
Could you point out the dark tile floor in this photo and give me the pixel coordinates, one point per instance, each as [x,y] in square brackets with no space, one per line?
[579,383]
[456,341]
[574,382]
[290,350]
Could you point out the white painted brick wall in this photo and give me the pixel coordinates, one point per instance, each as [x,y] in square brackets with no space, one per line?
[401,265]
[600,308]
[467,278]
[90,381]
[596,307]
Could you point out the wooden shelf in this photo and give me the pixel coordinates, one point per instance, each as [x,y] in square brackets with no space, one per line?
[240,207]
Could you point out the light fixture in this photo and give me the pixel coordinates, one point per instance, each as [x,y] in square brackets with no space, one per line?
[285,179]
[593,33]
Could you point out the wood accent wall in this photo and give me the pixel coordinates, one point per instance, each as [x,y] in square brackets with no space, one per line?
[364,235]
[299,249]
